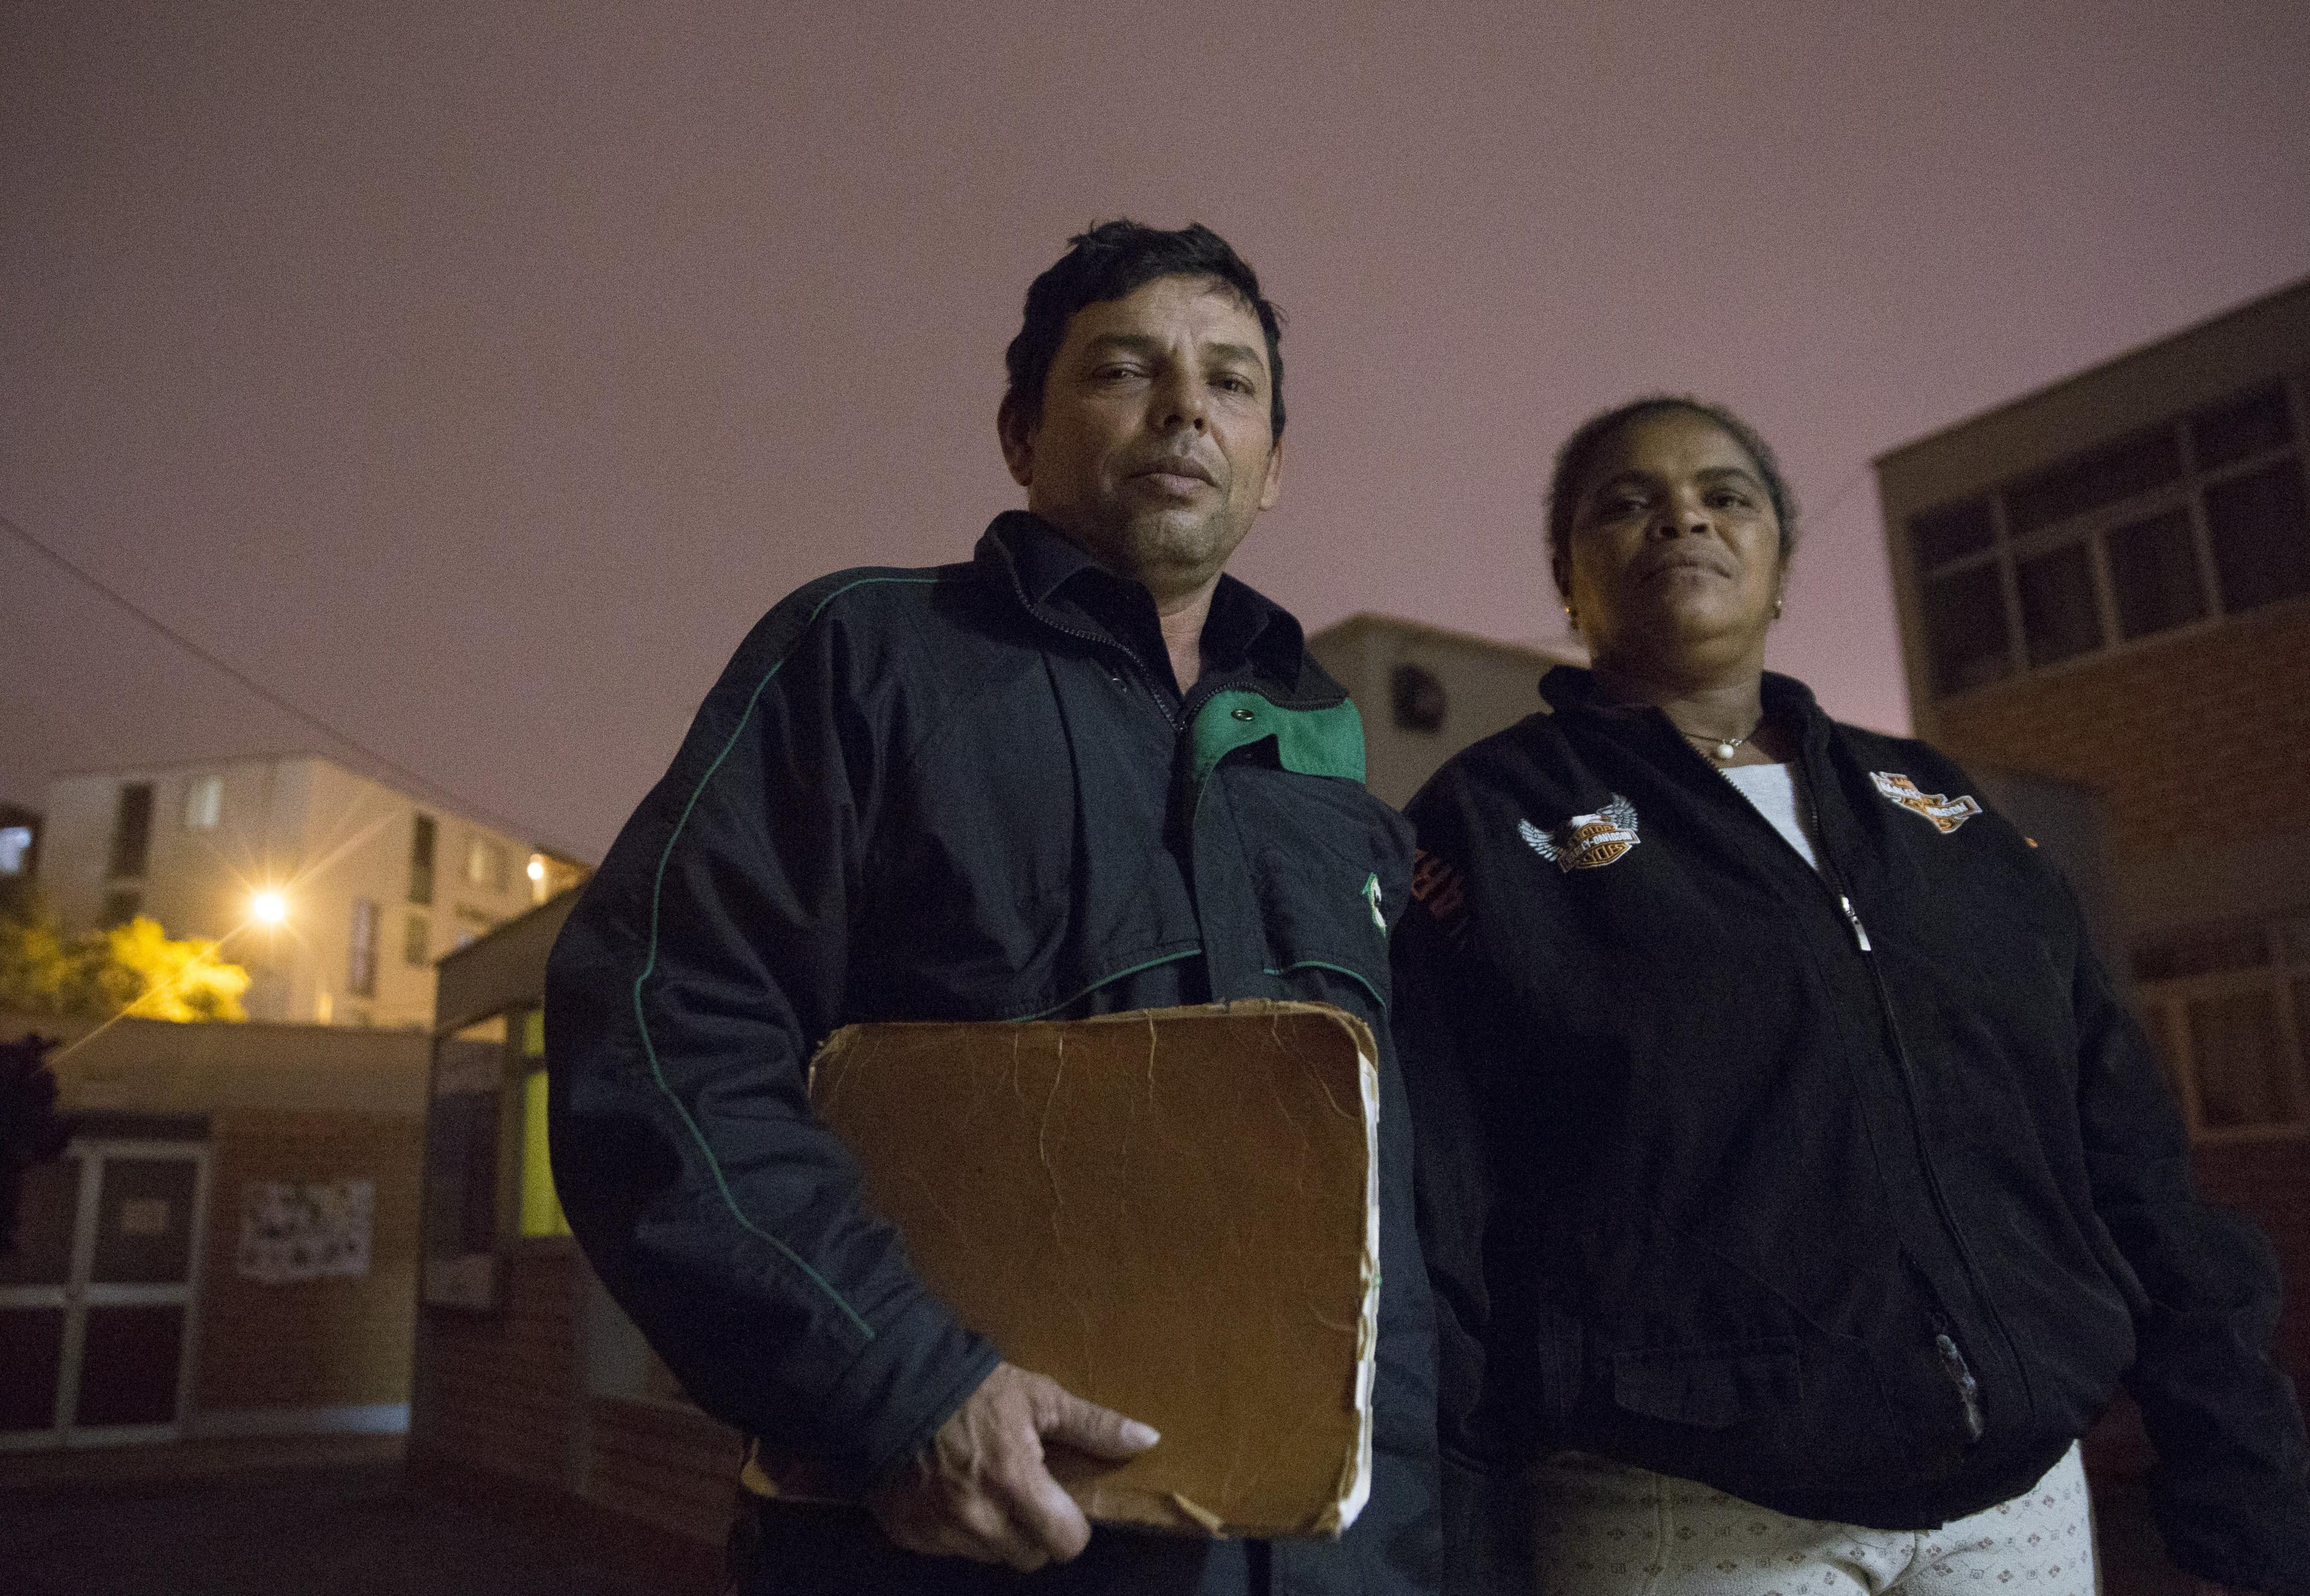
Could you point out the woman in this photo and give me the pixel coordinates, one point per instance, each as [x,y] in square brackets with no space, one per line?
[1796,1190]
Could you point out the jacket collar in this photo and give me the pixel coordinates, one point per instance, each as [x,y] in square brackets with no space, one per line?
[1054,581]
[1572,691]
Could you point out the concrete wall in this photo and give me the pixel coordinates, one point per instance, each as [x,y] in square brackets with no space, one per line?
[1488,686]
[2198,748]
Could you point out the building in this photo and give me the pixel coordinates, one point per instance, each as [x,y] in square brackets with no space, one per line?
[228,1246]
[532,1388]
[1426,692]
[2108,581]
[336,893]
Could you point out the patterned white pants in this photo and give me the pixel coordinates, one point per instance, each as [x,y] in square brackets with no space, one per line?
[1604,1529]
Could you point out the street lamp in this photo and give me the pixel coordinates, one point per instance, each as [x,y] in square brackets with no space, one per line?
[268,908]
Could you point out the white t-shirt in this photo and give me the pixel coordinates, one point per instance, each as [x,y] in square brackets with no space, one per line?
[1773,789]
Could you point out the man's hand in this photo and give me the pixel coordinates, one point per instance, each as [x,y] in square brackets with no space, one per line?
[979,1487]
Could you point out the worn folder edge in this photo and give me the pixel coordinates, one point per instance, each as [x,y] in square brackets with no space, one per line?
[779,1475]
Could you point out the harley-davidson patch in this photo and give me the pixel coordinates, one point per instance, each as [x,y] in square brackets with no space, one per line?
[1947,814]
[1587,842]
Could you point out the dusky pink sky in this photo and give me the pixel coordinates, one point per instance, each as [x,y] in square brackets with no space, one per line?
[475,373]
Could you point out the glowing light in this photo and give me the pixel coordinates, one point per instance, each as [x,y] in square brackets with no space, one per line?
[268,908]
[536,868]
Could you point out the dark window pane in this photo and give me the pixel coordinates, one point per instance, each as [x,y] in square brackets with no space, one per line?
[32,1362]
[2116,471]
[130,1358]
[2260,535]
[417,940]
[2244,1075]
[2153,572]
[2202,953]
[421,859]
[1965,629]
[131,831]
[1939,536]
[49,1204]
[145,1221]
[360,973]
[2246,425]
[2057,606]
[461,1150]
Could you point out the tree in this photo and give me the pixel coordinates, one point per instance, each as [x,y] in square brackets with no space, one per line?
[136,968]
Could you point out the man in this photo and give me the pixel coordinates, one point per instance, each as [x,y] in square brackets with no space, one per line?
[1084,772]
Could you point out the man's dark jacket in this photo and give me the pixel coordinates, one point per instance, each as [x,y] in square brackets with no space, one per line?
[966,792]
[1853,1192]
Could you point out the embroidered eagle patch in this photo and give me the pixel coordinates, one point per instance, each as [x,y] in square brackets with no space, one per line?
[1587,842]
[1947,814]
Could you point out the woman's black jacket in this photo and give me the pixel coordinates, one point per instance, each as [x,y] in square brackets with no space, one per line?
[1855,1193]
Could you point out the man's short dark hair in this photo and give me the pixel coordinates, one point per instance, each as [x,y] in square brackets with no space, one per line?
[1110,262]
[1577,458]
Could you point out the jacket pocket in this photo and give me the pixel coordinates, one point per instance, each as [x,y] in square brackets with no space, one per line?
[1712,1386]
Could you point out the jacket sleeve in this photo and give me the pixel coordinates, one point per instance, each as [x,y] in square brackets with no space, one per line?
[2228,1490]
[688,990]
[1441,1051]
[1442,1043]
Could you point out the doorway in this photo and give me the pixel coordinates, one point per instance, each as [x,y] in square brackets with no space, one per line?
[96,1302]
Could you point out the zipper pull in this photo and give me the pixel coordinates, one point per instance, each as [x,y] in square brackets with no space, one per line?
[1968,1389]
[1860,931]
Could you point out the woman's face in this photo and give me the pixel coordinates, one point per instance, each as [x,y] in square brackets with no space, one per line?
[1675,550]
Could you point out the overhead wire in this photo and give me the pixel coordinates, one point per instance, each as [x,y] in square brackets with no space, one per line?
[423,784]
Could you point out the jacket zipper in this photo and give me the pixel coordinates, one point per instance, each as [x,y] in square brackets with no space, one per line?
[1945,1347]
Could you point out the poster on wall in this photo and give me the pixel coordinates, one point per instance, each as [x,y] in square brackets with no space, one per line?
[308,1230]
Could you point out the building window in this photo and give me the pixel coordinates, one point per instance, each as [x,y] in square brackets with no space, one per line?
[132,831]
[422,838]
[2149,459]
[16,850]
[486,865]
[2153,575]
[1416,696]
[203,803]
[2260,534]
[2058,619]
[360,963]
[464,1196]
[121,905]
[1966,635]
[2229,1006]
[2201,517]
[417,942]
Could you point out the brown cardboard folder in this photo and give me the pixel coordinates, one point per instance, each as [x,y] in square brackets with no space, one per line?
[1173,1212]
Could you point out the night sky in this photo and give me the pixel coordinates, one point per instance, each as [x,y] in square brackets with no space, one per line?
[473,375]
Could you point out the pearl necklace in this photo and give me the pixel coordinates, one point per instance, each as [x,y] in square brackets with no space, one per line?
[1724,748]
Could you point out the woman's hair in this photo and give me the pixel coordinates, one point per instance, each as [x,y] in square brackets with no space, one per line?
[1577,457]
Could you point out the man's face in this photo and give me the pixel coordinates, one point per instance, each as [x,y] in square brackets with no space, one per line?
[1153,453]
